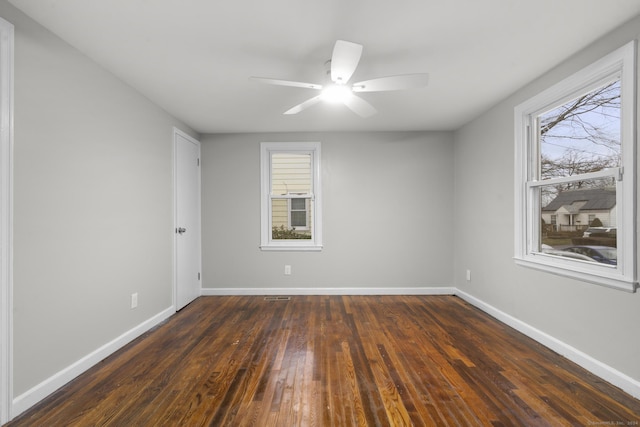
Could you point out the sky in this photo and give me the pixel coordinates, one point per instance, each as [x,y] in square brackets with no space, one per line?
[574,134]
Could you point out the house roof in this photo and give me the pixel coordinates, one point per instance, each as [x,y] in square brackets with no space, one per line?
[194,58]
[572,209]
[593,198]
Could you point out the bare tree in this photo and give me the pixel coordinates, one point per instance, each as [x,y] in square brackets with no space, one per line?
[574,162]
[581,136]
[573,120]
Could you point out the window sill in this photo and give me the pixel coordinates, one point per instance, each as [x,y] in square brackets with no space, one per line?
[290,248]
[604,278]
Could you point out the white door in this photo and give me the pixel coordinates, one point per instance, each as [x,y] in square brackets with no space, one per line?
[187,219]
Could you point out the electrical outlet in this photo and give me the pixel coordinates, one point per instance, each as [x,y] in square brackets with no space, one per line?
[134,300]
[287,270]
[468,275]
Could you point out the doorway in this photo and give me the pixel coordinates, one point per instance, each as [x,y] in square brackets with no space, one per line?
[187,229]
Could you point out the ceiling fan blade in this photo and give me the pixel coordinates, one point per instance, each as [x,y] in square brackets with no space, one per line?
[405,81]
[344,60]
[360,106]
[286,83]
[306,104]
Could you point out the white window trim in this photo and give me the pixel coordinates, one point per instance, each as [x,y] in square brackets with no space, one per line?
[624,275]
[266,242]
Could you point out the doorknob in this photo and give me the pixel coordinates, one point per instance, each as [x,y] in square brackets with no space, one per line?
[181,230]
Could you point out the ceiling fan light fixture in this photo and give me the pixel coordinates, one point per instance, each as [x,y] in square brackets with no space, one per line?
[336,93]
[339,70]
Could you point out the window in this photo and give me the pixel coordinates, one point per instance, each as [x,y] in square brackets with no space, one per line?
[298,214]
[575,165]
[291,198]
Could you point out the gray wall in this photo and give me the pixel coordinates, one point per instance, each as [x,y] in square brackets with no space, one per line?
[387,213]
[93,215]
[599,321]
[92,205]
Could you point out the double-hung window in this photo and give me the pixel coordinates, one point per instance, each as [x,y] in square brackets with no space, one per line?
[575,162]
[291,198]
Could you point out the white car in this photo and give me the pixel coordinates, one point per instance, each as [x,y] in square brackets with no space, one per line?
[600,232]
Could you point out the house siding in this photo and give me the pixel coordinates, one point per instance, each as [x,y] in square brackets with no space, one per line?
[291,175]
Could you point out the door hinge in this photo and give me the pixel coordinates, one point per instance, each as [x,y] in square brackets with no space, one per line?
[620,173]
[198,276]
[198,162]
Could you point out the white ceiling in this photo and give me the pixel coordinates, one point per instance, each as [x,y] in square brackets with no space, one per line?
[194,57]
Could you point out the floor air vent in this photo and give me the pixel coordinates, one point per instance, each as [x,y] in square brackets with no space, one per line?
[277,298]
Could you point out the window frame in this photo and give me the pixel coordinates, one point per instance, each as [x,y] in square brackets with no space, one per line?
[619,63]
[267,243]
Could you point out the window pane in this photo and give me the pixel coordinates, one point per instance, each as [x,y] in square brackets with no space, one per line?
[298,219]
[280,213]
[582,135]
[290,173]
[294,225]
[298,212]
[298,204]
[580,223]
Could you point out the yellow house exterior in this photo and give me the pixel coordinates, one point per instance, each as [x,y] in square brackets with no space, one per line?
[291,194]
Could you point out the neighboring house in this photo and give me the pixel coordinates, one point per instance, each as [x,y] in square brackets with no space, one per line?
[291,192]
[574,210]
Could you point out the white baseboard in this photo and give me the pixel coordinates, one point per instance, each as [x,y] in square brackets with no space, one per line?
[442,290]
[51,384]
[45,388]
[591,364]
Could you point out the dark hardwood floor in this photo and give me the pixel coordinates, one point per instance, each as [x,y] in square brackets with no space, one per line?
[334,360]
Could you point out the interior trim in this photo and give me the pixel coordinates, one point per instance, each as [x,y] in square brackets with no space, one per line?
[29,398]
[441,290]
[608,373]
[602,370]
[589,363]
[6,215]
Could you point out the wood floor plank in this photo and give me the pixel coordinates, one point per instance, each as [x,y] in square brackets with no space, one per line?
[334,361]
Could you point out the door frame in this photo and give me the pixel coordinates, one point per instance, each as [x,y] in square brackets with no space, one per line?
[177,132]
[6,221]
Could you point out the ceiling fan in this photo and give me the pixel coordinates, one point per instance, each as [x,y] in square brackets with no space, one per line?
[341,67]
